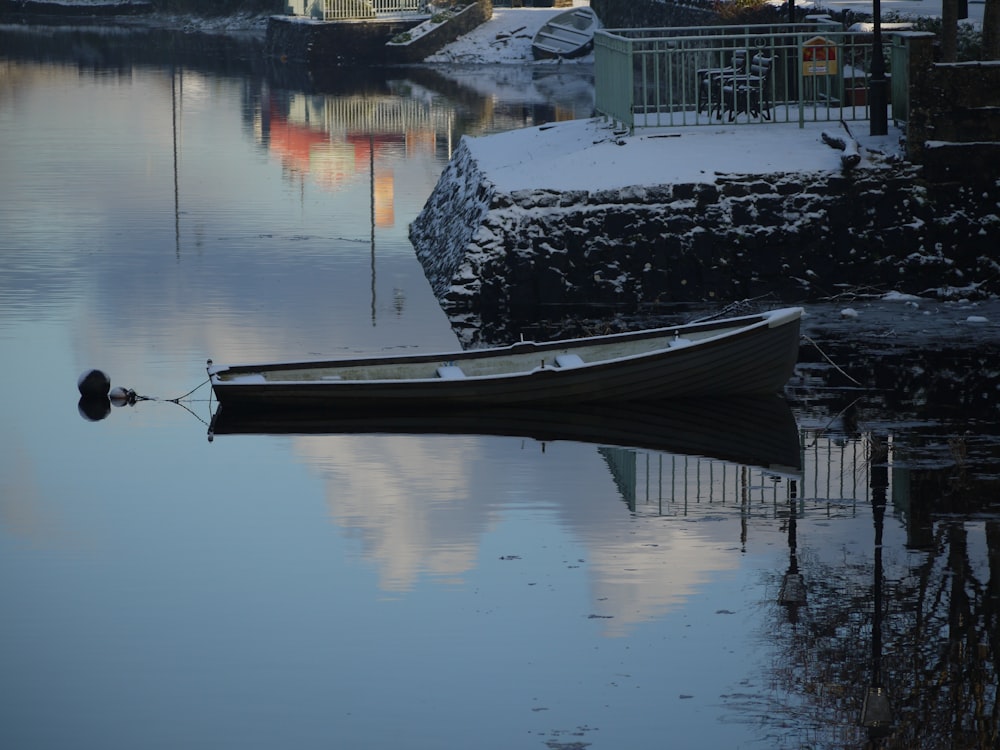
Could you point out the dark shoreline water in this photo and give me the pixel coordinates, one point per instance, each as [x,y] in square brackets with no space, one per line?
[33,9]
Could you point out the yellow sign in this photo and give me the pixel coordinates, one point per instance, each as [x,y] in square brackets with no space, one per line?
[819,57]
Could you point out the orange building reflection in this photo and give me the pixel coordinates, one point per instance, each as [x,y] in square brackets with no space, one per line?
[333,154]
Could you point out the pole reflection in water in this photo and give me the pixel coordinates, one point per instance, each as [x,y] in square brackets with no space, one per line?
[174,125]
[876,711]
[793,587]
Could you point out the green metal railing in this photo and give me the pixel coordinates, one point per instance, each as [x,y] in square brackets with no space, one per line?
[351,10]
[678,76]
[900,82]
[342,10]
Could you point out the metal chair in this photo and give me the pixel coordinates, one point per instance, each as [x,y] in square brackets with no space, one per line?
[710,81]
[749,92]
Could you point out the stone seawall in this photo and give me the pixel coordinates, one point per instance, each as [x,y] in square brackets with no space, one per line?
[498,261]
[320,44]
[439,34]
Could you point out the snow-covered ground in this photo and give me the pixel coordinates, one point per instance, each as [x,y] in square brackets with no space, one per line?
[588,155]
[504,39]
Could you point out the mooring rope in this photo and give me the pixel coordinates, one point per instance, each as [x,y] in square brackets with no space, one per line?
[97,396]
[200,385]
[742,306]
[837,367]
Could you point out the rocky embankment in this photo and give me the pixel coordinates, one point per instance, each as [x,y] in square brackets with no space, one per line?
[499,261]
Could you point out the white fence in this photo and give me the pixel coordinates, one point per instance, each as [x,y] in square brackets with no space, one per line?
[349,10]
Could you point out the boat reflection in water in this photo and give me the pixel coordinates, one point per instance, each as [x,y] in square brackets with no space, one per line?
[758,432]
[430,491]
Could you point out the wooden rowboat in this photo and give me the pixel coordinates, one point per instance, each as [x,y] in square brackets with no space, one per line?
[747,355]
[568,34]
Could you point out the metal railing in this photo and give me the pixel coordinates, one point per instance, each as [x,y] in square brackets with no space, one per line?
[685,75]
[344,10]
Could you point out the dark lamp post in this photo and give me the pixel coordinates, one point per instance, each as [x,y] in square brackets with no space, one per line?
[877,85]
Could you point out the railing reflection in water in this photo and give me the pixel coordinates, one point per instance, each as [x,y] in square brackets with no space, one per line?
[834,469]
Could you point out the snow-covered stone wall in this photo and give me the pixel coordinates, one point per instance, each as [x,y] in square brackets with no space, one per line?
[444,230]
[440,29]
[500,260]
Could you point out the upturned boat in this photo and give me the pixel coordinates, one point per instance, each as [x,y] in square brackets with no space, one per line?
[569,34]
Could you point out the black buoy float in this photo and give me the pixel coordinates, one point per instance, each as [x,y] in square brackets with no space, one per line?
[94,408]
[94,384]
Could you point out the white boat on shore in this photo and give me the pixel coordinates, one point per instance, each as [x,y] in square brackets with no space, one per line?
[569,34]
[743,356]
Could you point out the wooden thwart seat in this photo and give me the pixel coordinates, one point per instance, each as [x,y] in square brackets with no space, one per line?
[570,29]
[561,38]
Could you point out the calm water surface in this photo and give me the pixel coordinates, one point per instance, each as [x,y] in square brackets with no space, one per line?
[400,590]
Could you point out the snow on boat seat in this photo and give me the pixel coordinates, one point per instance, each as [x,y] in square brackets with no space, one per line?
[568,360]
[570,29]
[252,378]
[561,37]
[450,372]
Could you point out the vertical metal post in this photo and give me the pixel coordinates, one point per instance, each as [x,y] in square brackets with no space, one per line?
[877,86]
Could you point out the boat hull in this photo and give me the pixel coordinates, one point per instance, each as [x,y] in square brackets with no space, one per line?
[752,355]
